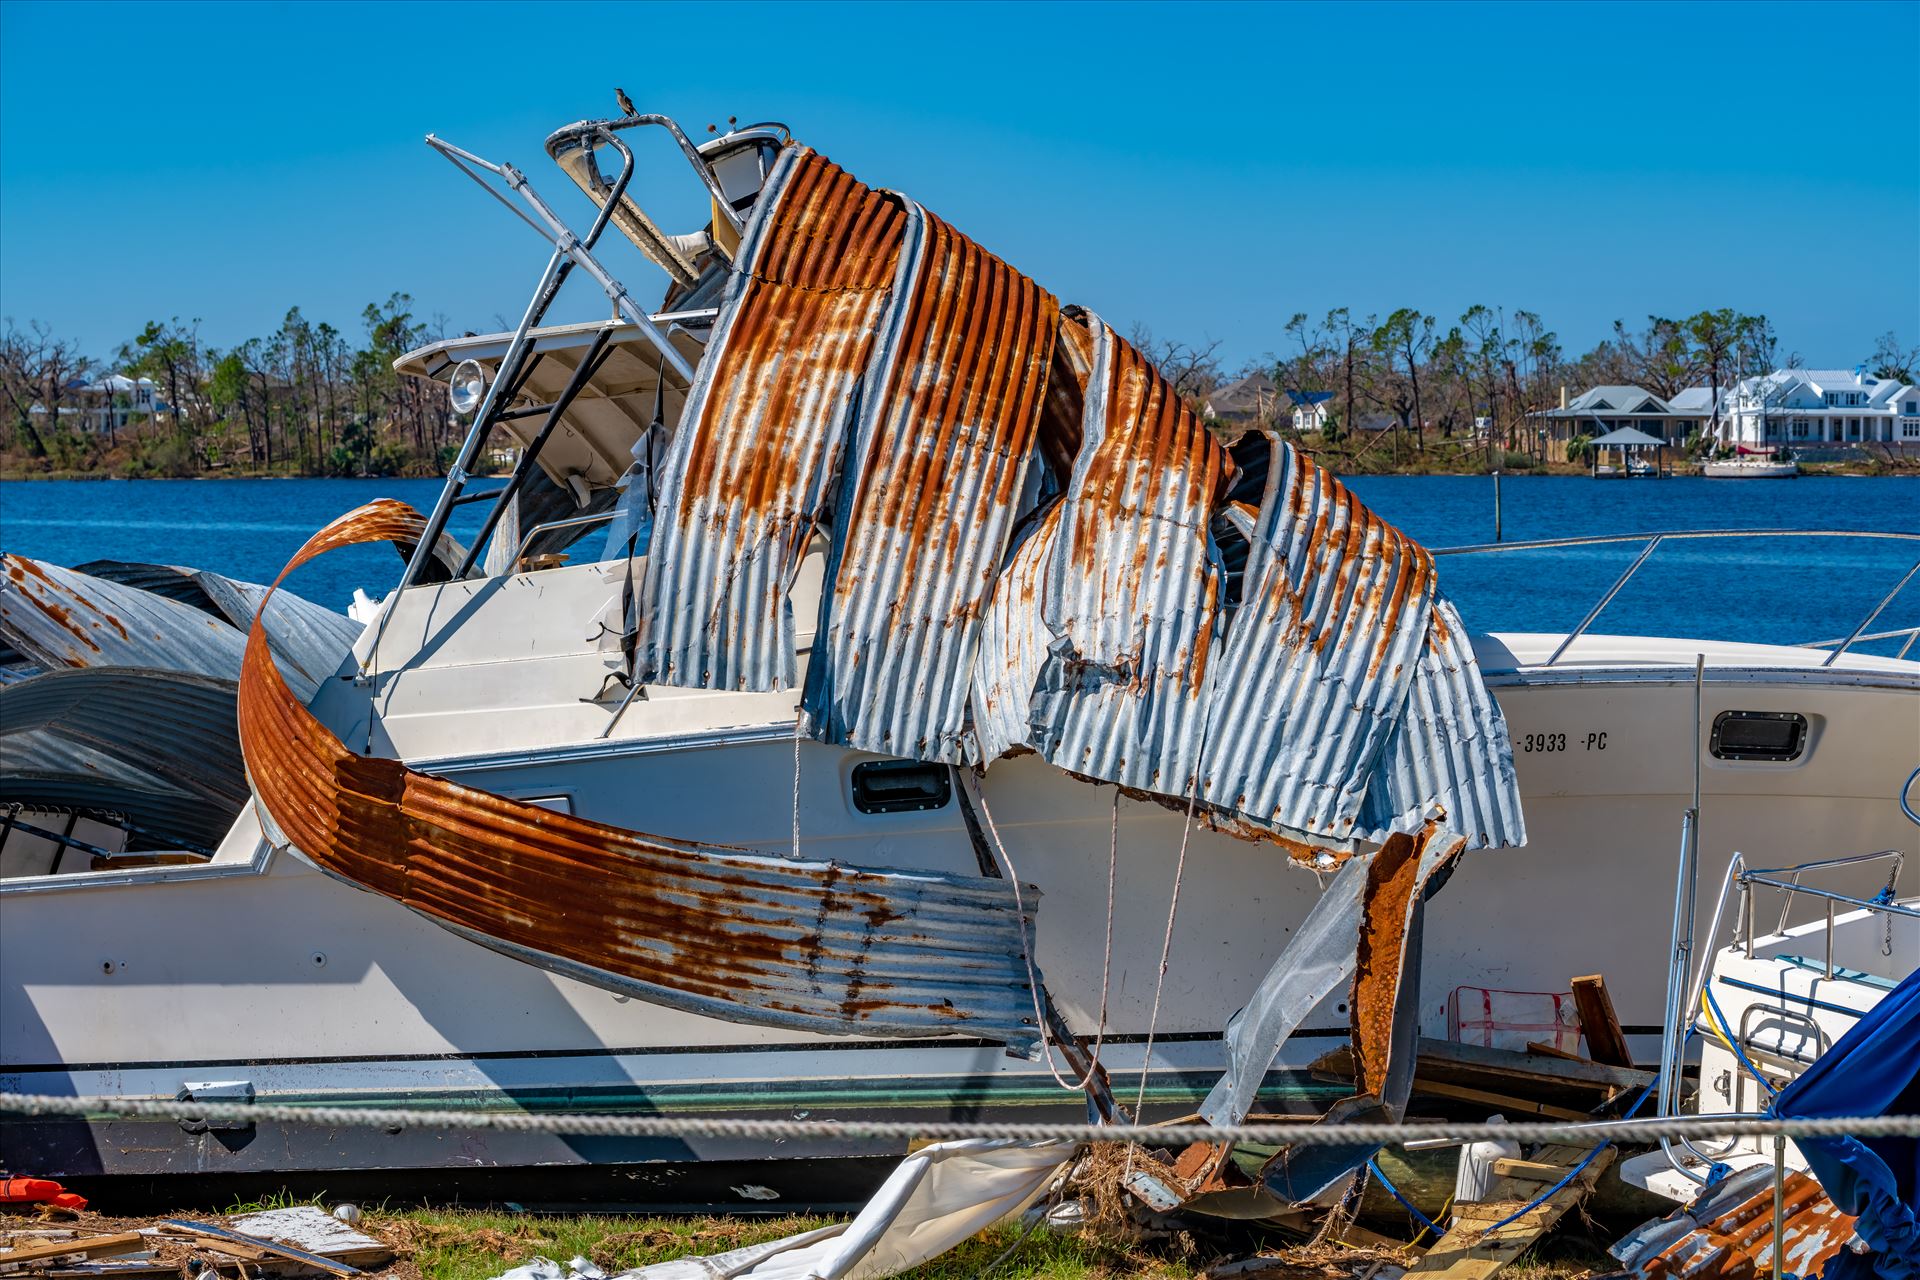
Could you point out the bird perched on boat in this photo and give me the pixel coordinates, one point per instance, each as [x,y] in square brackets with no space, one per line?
[626,103]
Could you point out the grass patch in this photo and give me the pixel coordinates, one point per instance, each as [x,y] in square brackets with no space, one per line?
[458,1244]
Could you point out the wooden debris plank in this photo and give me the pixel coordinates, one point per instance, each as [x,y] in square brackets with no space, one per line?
[332,1266]
[1606,1042]
[1529,1170]
[86,1247]
[1466,1252]
[1507,1103]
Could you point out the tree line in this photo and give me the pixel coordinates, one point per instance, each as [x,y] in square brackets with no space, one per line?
[1481,375]
[302,400]
[305,400]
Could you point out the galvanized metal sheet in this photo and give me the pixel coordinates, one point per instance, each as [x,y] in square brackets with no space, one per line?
[1450,745]
[163,617]
[160,747]
[1319,696]
[927,501]
[813,946]
[1132,597]
[309,641]
[60,618]
[748,476]
[1319,656]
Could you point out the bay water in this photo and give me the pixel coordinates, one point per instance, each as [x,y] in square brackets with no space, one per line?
[1775,590]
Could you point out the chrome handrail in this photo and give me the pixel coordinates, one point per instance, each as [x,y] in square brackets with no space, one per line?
[1654,540]
[571,522]
[1746,877]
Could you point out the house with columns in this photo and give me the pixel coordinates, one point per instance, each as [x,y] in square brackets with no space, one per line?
[1793,407]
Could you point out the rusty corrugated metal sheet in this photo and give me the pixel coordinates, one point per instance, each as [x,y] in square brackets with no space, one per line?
[1729,1236]
[749,474]
[1331,700]
[928,498]
[1132,591]
[724,932]
[1318,660]
[60,618]
[1450,743]
[162,617]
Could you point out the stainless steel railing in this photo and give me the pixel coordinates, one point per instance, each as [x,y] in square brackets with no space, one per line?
[1655,540]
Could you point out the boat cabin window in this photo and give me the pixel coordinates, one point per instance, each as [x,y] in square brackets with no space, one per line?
[1758,735]
[901,786]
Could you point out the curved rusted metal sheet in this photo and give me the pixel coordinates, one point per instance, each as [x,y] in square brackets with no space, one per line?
[1318,660]
[1319,695]
[748,476]
[813,946]
[1450,745]
[162,617]
[1728,1234]
[927,501]
[60,618]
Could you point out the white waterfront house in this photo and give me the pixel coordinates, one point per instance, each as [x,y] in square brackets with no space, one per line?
[1821,406]
[1310,409]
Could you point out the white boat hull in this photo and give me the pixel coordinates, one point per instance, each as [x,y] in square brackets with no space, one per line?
[1749,470]
[257,968]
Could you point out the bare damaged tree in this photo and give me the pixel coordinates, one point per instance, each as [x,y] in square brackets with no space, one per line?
[1194,370]
[1893,361]
[35,370]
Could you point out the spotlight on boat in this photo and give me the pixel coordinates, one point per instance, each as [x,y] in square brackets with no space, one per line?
[467,387]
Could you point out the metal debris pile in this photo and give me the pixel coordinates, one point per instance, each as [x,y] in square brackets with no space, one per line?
[118,688]
[301,1241]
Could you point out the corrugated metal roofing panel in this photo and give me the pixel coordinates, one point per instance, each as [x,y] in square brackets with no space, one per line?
[928,499]
[749,473]
[60,618]
[807,945]
[160,617]
[1450,744]
[1108,643]
[1319,657]
[310,641]
[1133,588]
[158,746]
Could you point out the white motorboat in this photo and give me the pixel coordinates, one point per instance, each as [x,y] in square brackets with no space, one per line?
[508,683]
[1759,466]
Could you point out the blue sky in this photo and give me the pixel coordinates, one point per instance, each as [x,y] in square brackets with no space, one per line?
[1207,170]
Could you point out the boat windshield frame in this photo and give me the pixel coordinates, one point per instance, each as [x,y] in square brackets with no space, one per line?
[569,250]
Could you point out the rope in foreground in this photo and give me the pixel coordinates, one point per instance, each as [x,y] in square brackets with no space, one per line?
[658,1126]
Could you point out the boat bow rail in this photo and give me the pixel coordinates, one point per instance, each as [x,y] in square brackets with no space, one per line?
[1655,540]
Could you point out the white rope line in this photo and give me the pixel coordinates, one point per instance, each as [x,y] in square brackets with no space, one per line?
[1106,956]
[979,791]
[692,1126]
[798,715]
[1166,942]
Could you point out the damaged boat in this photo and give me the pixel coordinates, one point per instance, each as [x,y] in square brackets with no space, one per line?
[872,693]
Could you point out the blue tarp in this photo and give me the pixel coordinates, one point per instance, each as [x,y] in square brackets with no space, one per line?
[1874,1069]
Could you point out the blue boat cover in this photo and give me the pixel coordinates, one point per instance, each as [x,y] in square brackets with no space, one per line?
[1874,1069]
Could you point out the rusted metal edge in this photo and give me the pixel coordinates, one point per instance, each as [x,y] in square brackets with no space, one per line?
[748,476]
[814,946]
[928,498]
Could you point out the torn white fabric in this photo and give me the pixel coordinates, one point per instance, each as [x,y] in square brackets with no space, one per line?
[936,1198]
